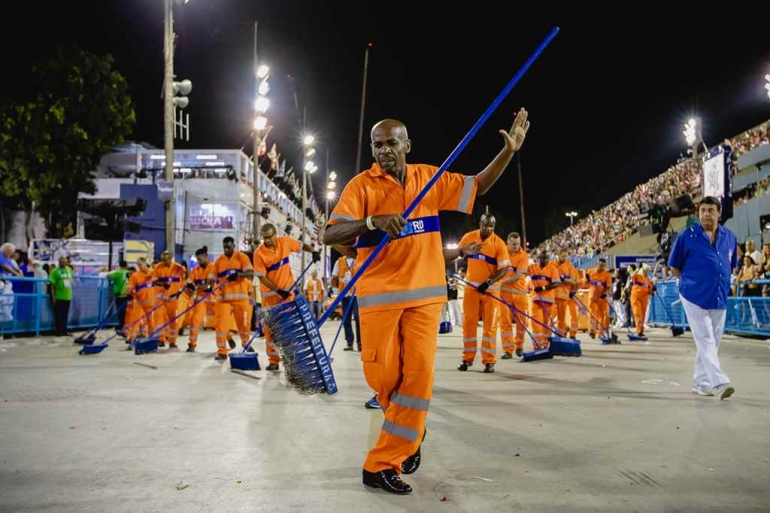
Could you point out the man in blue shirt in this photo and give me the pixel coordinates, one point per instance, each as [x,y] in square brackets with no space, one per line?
[703,257]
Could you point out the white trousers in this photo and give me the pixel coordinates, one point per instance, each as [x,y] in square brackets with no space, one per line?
[620,313]
[707,327]
[455,315]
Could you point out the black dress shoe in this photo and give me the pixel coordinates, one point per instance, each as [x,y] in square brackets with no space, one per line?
[172,346]
[506,356]
[387,480]
[231,343]
[272,367]
[464,366]
[519,352]
[348,347]
[412,463]
[161,344]
[190,349]
[489,368]
[221,357]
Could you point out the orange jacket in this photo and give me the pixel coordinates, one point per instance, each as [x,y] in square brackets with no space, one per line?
[273,263]
[141,287]
[200,276]
[492,257]
[409,271]
[566,272]
[519,265]
[598,282]
[237,290]
[172,275]
[543,277]
[641,286]
[314,290]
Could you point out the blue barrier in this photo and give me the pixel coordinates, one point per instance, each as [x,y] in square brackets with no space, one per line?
[26,306]
[745,315]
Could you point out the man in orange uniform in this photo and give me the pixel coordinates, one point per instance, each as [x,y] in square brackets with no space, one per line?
[485,268]
[142,294]
[199,282]
[314,291]
[545,278]
[599,282]
[641,289]
[168,278]
[233,298]
[402,293]
[514,292]
[565,293]
[271,266]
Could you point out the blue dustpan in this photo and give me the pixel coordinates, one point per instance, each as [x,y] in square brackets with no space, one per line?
[444,327]
[562,346]
[636,338]
[244,361]
[539,354]
[143,345]
[93,348]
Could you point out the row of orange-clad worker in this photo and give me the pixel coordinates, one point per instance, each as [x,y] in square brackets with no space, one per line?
[541,295]
[223,288]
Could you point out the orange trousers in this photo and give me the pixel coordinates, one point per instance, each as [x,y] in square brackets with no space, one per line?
[398,355]
[198,316]
[600,311]
[562,306]
[164,314]
[139,315]
[240,310]
[473,304]
[639,304]
[508,319]
[541,312]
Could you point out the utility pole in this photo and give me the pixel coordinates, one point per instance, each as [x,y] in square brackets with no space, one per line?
[168,122]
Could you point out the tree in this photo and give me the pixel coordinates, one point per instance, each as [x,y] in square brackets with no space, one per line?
[76,109]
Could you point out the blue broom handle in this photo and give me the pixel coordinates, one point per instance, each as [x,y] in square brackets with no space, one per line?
[302,274]
[193,305]
[511,307]
[448,162]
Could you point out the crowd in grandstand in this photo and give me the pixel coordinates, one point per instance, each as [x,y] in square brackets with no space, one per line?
[612,224]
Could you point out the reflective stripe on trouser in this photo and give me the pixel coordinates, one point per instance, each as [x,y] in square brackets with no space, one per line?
[398,354]
[240,310]
[137,314]
[562,307]
[508,319]
[198,317]
[272,352]
[541,312]
[600,311]
[475,305]
[167,311]
[639,306]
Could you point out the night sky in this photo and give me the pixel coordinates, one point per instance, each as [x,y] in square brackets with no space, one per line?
[606,100]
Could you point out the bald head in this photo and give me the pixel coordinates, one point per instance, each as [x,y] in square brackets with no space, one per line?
[487,225]
[390,144]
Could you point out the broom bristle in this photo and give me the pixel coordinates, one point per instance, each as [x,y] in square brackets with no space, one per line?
[296,337]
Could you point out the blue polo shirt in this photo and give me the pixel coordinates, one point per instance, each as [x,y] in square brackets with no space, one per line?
[705,268]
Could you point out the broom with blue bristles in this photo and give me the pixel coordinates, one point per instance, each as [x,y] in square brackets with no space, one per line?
[294,328]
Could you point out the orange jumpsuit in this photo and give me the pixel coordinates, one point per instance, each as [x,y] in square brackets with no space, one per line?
[543,302]
[599,284]
[400,298]
[171,275]
[514,294]
[564,302]
[140,286]
[199,276]
[273,264]
[641,289]
[232,299]
[492,257]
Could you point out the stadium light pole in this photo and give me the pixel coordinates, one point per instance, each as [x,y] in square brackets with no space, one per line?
[308,167]
[261,105]
[572,215]
[767,84]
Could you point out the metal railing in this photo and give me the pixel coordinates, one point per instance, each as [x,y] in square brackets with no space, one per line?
[745,315]
[26,306]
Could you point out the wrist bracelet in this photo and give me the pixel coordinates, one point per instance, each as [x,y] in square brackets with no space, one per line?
[369,223]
